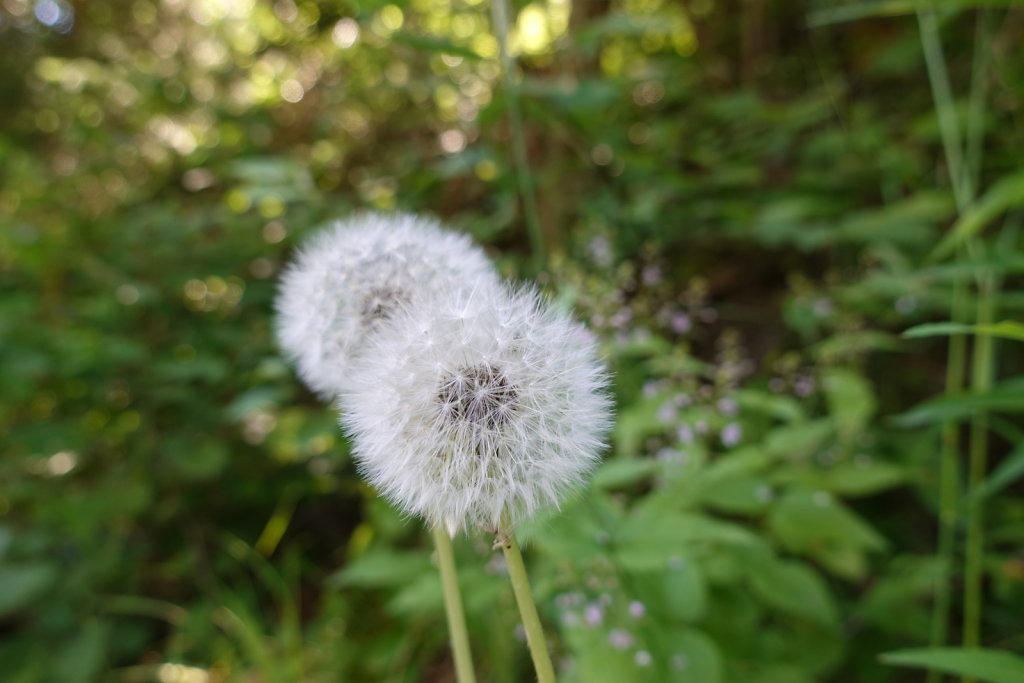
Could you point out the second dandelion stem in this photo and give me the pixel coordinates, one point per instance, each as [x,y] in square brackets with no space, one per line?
[527,609]
[453,607]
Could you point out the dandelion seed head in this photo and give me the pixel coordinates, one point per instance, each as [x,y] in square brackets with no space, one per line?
[478,407]
[350,278]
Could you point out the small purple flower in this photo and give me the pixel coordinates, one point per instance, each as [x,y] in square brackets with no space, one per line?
[620,639]
[804,386]
[685,434]
[667,412]
[593,614]
[637,609]
[731,434]
[728,406]
[680,323]
[643,658]
[651,275]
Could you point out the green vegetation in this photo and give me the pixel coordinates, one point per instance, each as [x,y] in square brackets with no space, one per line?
[796,227]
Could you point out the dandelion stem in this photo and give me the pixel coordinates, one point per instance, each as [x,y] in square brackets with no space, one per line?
[527,609]
[453,607]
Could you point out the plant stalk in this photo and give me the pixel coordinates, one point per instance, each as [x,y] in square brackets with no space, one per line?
[981,381]
[453,607]
[499,15]
[949,477]
[527,609]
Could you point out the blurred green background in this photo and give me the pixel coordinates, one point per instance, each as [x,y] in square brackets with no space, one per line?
[748,201]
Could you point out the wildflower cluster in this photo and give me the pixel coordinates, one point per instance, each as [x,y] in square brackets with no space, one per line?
[469,402]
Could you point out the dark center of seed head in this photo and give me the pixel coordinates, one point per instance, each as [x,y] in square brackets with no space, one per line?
[379,303]
[481,395]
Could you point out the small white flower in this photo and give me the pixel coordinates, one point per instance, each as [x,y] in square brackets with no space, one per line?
[477,409]
[351,276]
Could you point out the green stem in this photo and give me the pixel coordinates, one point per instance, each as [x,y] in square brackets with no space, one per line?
[949,483]
[499,15]
[981,376]
[527,609]
[453,607]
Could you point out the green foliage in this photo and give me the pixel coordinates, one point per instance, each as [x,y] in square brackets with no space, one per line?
[751,206]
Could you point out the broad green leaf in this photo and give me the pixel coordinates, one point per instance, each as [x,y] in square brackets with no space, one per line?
[847,344]
[807,521]
[22,584]
[851,400]
[685,590]
[739,495]
[383,568]
[1006,194]
[80,660]
[798,440]
[862,477]
[785,408]
[623,471]
[422,595]
[695,657]
[794,588]
[653,541]
[991,666]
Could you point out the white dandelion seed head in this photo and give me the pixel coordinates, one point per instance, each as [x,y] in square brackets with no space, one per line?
[477,409]
[350,277]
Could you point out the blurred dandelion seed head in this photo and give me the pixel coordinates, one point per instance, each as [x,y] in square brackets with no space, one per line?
[348,279]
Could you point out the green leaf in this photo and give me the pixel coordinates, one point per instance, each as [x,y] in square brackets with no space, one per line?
[936,329]
[844,12]
[740,495]
[21,584]
[654,539]
[992,666]
[699,653]
[862,478]
[794,588]
[430,44]
[1006,194]
[785,408]
[383,568]
[685,590]
[851,400]
[81,660]
[618,472]
[1006,397]
[1007,329]
[817,524]
[1008,471]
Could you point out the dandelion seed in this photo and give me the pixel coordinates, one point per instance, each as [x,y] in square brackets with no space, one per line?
[477,407]
[349,278]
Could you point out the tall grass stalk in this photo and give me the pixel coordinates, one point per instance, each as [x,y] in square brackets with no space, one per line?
[453,607]
[949,476]
[964,178]
[524,179]
[981,382]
